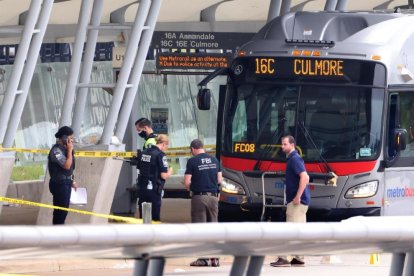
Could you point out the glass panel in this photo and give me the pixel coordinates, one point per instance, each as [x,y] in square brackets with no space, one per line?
[407,121]
[336,123]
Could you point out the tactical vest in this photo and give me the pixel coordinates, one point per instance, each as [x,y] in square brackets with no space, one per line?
[150,140]
[55,170]
[148,168]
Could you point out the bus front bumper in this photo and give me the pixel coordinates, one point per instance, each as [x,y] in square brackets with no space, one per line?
[245,209]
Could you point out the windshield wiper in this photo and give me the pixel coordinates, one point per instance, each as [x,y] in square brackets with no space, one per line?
[332,175]
[268,147]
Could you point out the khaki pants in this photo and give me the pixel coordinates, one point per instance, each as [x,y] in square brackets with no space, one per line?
[204,208]
[295,213]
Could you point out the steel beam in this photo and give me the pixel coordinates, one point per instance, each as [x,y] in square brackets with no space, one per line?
[274,9]
[19,63]
[124,74]
[27,75]
[255,265]
[330,5]
[137,71]
[408,264]
[397,264]
[85,76]
[82,27]
[239,265]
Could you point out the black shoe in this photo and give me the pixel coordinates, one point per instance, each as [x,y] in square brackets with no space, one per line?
[201,262]
[215,262]
[297,262]
[280,262]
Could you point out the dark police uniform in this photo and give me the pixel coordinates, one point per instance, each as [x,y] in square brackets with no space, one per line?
[204,170]
[60,184]
[150,184]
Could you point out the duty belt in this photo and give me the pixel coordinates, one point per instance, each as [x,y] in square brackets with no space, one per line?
[205,193]
[63,177]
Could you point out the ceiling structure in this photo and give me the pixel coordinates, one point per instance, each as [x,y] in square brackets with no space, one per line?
[175,15]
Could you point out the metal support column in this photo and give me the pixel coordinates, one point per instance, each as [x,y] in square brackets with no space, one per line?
[274,9]
[330,5]
[28,71]
[341,5]
[156,266]
[239,265]
[138,68]
[125,74]
[140,267]
[19,63]
[285,8]
[69,98]
[85,76]
[409,264]
[255,265]
[397,264]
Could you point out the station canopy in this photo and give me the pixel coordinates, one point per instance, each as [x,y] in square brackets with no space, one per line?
[176,14]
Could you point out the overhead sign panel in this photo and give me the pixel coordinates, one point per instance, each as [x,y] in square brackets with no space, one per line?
[192,61]
[199,40]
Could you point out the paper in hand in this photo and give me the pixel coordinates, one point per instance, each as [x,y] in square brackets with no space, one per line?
[79,197]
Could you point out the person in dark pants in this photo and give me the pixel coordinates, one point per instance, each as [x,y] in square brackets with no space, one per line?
[297,194]
[154,170]
[61,164]
[202,177]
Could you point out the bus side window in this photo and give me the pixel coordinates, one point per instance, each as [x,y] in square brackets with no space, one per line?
[393,124]
[406,112]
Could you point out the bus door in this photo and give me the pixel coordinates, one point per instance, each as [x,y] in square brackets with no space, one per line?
[399,171]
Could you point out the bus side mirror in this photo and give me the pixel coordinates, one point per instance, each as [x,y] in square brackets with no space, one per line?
[203,99]
[400,139]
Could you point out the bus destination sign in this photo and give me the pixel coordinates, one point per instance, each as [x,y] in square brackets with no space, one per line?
[303,67]
[309,69]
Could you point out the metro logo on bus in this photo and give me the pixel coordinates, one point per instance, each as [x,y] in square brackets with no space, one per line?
[243,147]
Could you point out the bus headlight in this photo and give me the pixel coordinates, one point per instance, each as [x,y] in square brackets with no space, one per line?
[231,187]
[362,190]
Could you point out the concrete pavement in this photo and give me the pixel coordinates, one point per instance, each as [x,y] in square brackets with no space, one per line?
[176,210]
[356,265]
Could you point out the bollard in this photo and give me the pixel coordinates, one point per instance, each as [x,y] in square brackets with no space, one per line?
[374,259]
[146,212]
[137,209]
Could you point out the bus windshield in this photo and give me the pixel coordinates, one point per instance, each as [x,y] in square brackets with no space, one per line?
[334,122]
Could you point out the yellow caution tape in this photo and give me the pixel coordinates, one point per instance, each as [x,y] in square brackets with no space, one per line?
[31,203]
[105,154]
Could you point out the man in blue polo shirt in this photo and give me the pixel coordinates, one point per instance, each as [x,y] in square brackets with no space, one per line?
[297,193]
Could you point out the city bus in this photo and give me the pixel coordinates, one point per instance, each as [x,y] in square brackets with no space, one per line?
[342,84]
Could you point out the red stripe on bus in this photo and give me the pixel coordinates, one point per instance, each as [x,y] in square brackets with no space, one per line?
[340,168]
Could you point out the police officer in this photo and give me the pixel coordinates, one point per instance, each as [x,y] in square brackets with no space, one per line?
[202,177]
[61,164]
[144,128]
[154,171]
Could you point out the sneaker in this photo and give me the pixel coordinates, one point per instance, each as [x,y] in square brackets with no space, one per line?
[297,262]
[201,262]
[280,262]
[215,262]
